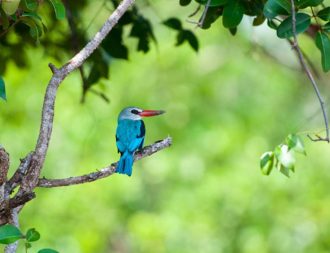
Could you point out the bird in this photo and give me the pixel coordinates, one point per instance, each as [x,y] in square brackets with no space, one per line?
[130,135]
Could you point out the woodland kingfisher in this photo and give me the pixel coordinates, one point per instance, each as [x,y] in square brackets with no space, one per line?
[130,135]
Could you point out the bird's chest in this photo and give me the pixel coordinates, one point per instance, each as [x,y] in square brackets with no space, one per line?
[128,130]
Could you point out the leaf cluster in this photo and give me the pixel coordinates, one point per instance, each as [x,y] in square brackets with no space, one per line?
[283,156]
[10,234]
[312,18]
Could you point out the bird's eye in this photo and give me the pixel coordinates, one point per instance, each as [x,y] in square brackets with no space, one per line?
[134,111]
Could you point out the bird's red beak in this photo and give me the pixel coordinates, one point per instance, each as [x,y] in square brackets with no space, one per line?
[150,113]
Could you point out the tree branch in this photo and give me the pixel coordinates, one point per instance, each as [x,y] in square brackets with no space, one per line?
[30,181]
[309,74]
[4,166]
[104,172]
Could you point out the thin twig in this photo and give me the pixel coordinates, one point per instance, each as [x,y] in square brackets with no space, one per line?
[309,74]
[104,172]
[201,22]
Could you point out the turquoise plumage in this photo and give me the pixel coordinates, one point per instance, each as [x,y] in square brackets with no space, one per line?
[130,136]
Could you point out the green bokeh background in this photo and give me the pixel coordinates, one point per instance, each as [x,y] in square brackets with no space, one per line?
[225,106]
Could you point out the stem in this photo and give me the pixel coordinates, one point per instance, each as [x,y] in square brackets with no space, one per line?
[309,75]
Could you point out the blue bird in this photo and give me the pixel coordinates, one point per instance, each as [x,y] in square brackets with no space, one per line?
[130,135]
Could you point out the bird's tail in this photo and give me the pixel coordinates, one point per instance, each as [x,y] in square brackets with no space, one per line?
[125,164]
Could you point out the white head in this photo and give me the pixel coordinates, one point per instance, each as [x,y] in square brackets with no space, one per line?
[135,113]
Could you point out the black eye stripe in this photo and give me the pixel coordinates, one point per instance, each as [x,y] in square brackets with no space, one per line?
[135,111]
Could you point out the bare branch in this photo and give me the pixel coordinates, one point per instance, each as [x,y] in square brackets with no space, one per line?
[4,166]
[31,179]
[19,174]
[309,74]
[104,172]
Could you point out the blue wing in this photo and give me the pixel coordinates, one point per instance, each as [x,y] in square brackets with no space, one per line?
[130,135]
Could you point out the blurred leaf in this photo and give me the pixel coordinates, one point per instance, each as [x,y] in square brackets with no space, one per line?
[185,2]
[58,8]
[303,21]
[326,27]
[142,30]
[232,14]
[323,43]
[34,29]
[213,2]
[47,251]
[32,235]
[99,69]
[271,24]
[173,23]
[233,31]
[274,8]
[10,6]
[4,19]
[295,143]
[285,156]
[267,162]
[186,35]
[301,4]
[28,245]
[253,8]
[2,89]
[31,4]
[284,170]
[9,234]
[324,14]
[259,20]
[113,44]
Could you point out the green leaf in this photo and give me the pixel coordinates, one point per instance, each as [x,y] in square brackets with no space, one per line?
[324,14]
[173,23]
[274,8]
[47,251]
[213,2]
[10,6]
[2,89]
[113,44]
[295,143]
[271,24]
[4,19]
[31,4]
[192,40]
[284,30]
[213,13]
[285,157]
[267,162]
[233,31]
[259,20]
[35,31]
[284,170]
[58,8]
[232,14]
[186,35]
[9,234]
[326,27]
[32,235]
[301,4]
[185,2]
[28,245]
[323,43]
